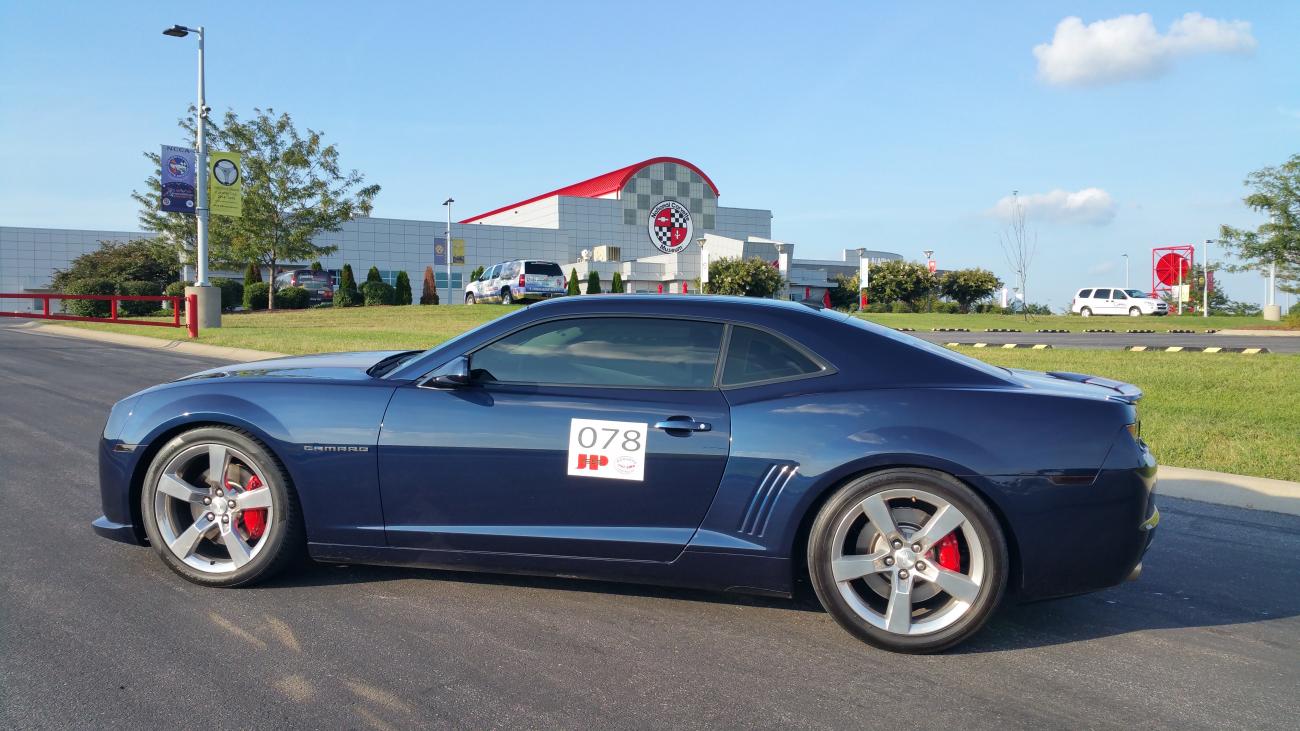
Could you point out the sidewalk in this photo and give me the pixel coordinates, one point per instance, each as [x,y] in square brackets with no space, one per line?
[140,341]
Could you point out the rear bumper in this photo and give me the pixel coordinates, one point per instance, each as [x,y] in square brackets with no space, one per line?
[537,296]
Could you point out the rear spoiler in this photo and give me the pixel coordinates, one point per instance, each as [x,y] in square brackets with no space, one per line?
[1126,392]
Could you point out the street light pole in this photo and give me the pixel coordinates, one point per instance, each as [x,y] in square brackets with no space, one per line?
[1205,275]
[447,250]
[201,166]
[1126,285]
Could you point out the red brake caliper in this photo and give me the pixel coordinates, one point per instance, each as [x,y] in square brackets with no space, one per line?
[945,552]
[255,520]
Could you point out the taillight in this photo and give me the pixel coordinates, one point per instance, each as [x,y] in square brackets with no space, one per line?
[1135,429]
[293,279]
[521,281]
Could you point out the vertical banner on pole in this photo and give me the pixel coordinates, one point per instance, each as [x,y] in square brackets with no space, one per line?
[177,178]
[439,250]
[458,251]
[225,184]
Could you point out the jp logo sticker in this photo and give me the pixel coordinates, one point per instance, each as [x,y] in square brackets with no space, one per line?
[670,226]
[614,450]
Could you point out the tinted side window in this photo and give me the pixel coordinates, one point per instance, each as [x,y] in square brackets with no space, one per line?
[545,268]
[492,273]
[510,269]
[1102,294]
[1119,295]
[753,355]
[1085,294]
[605,351]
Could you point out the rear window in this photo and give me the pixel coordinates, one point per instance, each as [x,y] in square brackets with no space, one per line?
[310,276]
[545,268]
[1084,294]
[754,356]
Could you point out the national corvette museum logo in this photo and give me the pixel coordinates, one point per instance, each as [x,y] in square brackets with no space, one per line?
[670,227]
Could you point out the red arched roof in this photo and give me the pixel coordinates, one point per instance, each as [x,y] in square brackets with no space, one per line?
[600,185]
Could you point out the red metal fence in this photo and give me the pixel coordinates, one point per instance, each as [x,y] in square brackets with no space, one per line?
[191,309]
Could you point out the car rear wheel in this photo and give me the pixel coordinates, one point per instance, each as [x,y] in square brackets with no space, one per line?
[506,298]
[1134,312]
[1086,312]
[218,508]
[469,298]
[908,560]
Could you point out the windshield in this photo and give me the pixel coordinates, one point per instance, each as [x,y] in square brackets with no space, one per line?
[1139,294]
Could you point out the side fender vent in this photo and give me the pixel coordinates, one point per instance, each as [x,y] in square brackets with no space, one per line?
[769,489]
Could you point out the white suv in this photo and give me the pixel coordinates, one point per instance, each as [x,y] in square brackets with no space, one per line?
[520,280]
[1116,301]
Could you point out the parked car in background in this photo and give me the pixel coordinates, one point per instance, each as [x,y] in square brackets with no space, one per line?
[520,280]
[318,286]
[1116,301]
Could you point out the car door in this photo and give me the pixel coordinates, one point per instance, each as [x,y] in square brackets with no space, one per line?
[487,285]
[594,437]
[1101,302]
[1119,302]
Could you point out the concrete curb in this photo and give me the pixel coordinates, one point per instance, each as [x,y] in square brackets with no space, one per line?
[1263,333]
[1240,491]
[140,341]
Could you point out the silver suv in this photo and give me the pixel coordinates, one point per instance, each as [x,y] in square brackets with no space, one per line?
[1116,301]
[519,280]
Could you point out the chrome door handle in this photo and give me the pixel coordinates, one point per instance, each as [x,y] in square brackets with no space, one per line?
[683,425]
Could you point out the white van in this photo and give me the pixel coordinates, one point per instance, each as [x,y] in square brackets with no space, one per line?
[1116,301]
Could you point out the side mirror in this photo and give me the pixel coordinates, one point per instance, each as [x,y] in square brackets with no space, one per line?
[454,374]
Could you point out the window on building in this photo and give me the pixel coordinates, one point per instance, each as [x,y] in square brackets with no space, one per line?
[606,351]
[440,278]
[753,356]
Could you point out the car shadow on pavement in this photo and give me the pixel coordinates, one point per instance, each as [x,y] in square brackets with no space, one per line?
[1185,584]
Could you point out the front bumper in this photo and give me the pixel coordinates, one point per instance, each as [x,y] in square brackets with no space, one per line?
[121,532]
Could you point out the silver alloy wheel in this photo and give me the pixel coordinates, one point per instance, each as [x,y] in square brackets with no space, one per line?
[199,507]
[892,554]
[1086,312]
[1134,312]
[469,298]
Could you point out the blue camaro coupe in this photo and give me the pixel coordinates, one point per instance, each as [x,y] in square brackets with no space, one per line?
[723,443]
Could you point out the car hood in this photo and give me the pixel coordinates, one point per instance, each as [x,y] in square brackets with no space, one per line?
[327,366]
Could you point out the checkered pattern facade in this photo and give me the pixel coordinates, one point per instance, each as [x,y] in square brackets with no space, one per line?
[668,181]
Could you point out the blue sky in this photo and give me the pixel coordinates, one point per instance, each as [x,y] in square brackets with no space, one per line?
[891,126]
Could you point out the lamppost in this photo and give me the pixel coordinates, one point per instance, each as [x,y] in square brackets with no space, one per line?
[929,265]
[1205,275]
[1126,285]
[209,315]
[447,250]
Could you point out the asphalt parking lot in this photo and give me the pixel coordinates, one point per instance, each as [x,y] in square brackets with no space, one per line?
[1120,339]
[95,634]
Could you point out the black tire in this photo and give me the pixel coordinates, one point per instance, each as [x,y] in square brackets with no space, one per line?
[849,498]
[469,298]
[285,534]
[1134,312]
[506,298]
[1086,312]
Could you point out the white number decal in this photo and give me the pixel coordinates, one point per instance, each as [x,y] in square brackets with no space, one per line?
[614,450]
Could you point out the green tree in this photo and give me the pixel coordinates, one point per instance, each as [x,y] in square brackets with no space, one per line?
[574,288]
[1276,192]
[373,275]
[346,295]
[403,288]
[316,267]
[429,288]
[845,294]
[968,286]
[252,273]
[616,283]
[474,275]
[593,282]
[294,189]
[142,260]
[752,277]
[900,281]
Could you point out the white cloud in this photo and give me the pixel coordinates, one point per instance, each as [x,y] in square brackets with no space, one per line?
[1092,206]
[1130,47]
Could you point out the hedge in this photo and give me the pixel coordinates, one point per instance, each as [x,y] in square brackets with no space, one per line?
[255,296]
[89,308]
[292,298]
[378,293]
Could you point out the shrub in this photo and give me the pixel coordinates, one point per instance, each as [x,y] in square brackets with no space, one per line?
[255,296]
[232,292]
[143,260]
[378,293]
[899,306]
[292,298]
[877,307]
[593,282]
[752,277]
[573,286]
[88,308]
[616,284]
[347,280]
[474,275]
[252,273]
[948,308]
[316,267]
[403,289]
[428,289]
[176,289]
[373,275]
[136,288]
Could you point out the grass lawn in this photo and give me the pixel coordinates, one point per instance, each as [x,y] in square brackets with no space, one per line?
[1224,412]
[1073,323]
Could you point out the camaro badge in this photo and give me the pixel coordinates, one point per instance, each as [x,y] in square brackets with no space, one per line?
[614,450]
[333,448]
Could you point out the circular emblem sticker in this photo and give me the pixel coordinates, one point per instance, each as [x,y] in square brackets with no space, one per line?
[225,172]
[670,227]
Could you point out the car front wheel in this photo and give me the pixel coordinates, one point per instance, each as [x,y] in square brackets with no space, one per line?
[1086,312]
[908,560]
[469,298]
[1134,312]
[218,508]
